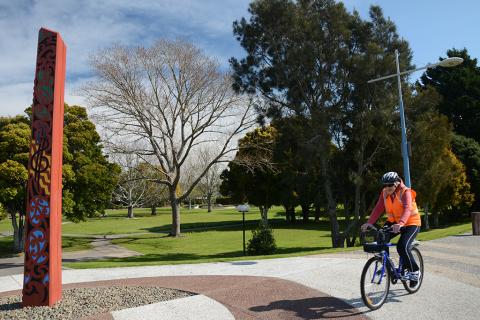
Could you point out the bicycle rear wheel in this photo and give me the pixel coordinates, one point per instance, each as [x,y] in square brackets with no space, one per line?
[410,286]
[374,284]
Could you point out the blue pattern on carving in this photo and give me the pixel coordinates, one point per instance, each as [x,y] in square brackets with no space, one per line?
[36,213]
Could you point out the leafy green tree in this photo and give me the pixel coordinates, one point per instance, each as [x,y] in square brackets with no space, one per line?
[251,176]
[468,151]
[460,89]
[88,178]
[312,59]
[295,156]
[430,134]
[455,197]
[15,139]
[366,130]
[14,149]
[294,59]
[13,179]
[91,177]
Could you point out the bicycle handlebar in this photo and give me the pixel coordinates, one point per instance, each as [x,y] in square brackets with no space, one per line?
[382,229]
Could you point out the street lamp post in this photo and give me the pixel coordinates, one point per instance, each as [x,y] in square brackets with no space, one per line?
[243,208]
[449,62]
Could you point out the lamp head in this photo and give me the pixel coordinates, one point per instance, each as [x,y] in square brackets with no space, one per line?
[243,208]
[450,62]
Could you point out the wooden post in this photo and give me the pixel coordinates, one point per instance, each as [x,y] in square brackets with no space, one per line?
[476,223]
[42,284]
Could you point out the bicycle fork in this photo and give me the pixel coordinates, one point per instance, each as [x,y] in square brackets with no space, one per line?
[382,271]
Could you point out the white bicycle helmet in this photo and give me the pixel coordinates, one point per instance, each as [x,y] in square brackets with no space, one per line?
[390,177]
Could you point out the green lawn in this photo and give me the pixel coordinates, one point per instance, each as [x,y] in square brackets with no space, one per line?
[116,221]
[459,228]
[225,244]
[68,244]
[216,245]
[215,236]
[6,225]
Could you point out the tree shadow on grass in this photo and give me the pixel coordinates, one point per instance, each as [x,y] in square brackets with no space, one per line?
[153,258]
[238,226]
[6,247]
[174,257]
[206,226]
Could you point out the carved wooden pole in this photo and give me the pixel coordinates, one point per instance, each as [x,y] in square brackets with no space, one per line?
[42,284]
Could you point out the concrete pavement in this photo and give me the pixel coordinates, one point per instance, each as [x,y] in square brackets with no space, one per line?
[309,287]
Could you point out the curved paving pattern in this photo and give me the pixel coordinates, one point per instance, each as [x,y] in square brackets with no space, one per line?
[246,297]
[188,308]
[303,287]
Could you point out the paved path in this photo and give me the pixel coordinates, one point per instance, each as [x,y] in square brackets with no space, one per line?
[456,258]
[309,287]
[102,249]
[245,297]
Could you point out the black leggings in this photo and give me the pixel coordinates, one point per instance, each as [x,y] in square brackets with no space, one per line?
[407,235]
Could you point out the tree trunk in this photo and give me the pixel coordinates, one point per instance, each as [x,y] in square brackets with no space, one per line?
[351,241]
[175,213]
[130,212]
[18,237]
[305,212]
[264,214]
[290,214]
[357,204]
[154,210]
[346,212]
[436,219]
[337,239]
[209,202]
[427,223]
[350,225]
[363,207]
[318,212]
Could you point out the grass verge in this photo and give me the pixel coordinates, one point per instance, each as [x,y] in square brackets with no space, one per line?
[226,245]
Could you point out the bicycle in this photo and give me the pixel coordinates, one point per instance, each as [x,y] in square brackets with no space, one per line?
[380,270]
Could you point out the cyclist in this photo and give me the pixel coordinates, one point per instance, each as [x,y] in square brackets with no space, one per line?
[399,203]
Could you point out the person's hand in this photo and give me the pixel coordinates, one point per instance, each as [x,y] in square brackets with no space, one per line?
[365,226]
[396,228]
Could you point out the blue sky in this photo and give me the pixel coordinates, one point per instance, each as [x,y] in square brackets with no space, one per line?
[431,27]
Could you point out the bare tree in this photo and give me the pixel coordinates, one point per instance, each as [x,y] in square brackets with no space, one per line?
[165,102]
[156,194]
[131,188]
[210,183]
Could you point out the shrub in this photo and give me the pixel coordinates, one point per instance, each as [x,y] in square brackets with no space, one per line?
[262,241]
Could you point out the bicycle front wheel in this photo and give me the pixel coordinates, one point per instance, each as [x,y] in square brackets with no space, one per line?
[374,283]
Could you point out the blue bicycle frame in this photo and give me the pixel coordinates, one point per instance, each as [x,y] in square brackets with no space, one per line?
[396,273]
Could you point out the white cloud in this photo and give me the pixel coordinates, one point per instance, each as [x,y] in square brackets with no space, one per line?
[15,98]
[90,25]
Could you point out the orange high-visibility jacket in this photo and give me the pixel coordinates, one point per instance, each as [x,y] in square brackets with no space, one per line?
[394,208]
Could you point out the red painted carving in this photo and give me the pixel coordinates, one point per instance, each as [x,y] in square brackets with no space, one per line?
[42,283]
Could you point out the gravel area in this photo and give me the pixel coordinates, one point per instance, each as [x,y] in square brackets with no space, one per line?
[83,302]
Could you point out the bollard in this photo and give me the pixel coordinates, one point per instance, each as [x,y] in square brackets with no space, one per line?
[476,223]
